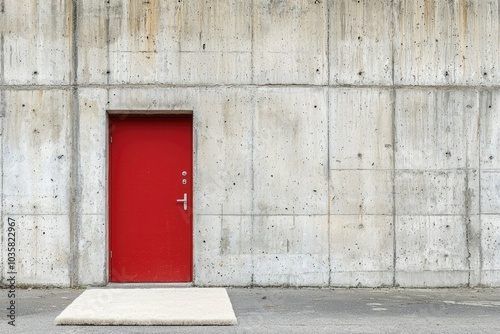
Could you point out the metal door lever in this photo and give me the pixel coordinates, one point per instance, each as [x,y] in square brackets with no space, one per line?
[185,201]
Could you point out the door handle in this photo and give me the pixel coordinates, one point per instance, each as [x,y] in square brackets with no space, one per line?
[185,201]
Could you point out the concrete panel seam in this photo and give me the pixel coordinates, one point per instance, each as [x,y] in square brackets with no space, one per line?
[394,212]
[329,222]
[467,224]
[328,59]
[2,58]
[393,47]
[252,44]
[252,181]
[75,159]
[106,178]
[467,199]
[242,86]
[479,279]
[105,273]
[108,69]
[2,114]
[328,110]
[2,150]
[393,97]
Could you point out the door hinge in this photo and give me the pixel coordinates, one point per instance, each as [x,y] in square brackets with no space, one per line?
[110,253]
[110,139]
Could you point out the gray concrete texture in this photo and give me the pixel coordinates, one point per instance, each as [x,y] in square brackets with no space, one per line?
[337,142]
[277,310]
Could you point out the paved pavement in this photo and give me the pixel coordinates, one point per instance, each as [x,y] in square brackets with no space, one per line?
[274,310]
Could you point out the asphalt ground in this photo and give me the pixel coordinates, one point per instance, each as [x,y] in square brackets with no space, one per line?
[286,310]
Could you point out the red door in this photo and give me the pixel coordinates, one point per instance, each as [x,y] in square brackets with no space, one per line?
[150,199]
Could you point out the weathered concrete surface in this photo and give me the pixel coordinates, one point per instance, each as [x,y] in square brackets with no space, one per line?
[361,42]
[290,250]
[42,249]
[432,249]
[92,136]
[361,250]
[361,192]
[490,132]
[437,129]
[290,42]
[446,42]
[436,192]
[2,246]
[490,243]
[160,42]
[36,153]
[36,135]
[227,129]
[290,151]
[490,191]
[337,142]
[92,250]
[490,187]
[36,42]
[94,21]
[361,128]
[223,250]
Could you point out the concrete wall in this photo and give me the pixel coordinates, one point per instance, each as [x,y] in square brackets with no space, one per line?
[338,142]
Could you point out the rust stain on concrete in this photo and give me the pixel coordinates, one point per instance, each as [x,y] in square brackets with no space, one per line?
[143,23]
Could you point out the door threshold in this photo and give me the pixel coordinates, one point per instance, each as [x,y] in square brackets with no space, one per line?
[114,285]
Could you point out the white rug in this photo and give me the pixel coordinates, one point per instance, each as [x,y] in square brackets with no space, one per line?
[168,306]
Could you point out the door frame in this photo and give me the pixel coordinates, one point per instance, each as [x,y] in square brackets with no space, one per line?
[153,114]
